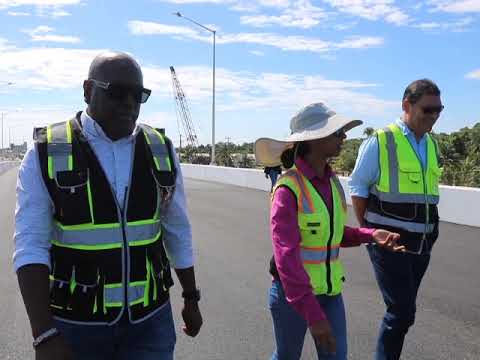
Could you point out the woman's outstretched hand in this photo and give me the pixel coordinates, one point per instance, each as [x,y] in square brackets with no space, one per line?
[387,240]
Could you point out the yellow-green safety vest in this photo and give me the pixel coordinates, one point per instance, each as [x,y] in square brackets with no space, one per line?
[321,231]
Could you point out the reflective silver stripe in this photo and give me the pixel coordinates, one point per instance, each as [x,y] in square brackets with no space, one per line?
[405,225]
[135,293]
[303,190]
[392,161]
[58,148]
[340,190]
[309,255]
[115,295]
[103,236]
[91,236]
[157,147]
[405,198]
[143,232]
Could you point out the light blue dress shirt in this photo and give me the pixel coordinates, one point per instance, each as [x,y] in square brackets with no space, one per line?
[367,169]
[34,208]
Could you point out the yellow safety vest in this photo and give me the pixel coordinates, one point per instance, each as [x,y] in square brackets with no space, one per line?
[405,195]
[321,231]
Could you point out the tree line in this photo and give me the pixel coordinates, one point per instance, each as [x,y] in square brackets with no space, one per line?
[459,155]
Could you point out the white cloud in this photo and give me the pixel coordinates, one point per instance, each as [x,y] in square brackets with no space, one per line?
[46,68]
[20,122]
[286,43]
[18,13]
[44,33]
[41,3]
[257,52]
[372,10]
[473,75]
[456,6]
[301,14]
[456,26]
[151,28]
[44,8]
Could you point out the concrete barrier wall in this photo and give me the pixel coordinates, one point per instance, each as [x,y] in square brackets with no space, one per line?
[458,205]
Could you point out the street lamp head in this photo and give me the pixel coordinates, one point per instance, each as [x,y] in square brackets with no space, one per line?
[178,14]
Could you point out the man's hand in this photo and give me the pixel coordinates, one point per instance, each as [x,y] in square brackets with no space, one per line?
[192,317]
[54,349]
[387,240]
[323,336]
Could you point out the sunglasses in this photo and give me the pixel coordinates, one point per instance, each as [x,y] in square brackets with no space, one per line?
[120,92]
[340,133]
[432,109]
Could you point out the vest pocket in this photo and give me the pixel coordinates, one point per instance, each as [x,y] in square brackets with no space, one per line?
[59,293]
[84,291]
[73,199]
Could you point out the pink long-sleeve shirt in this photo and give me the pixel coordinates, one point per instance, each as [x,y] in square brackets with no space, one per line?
[286,243]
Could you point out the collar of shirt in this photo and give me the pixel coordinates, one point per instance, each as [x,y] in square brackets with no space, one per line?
[92,130]
[310,174]
[406,130]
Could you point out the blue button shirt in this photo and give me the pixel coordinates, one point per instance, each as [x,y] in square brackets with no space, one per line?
[367,169]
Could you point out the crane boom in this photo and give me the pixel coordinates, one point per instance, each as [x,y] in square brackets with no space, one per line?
[183,114]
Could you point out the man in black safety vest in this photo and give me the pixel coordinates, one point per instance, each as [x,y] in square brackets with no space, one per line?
[100,218]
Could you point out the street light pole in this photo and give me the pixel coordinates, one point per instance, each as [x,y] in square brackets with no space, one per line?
[6,83]
[2,129]
[214,32]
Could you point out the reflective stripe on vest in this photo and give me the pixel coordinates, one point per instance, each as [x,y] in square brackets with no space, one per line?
[406,225]
[105,236]
[59,137]
[159,149]
[320,233]
[312,255]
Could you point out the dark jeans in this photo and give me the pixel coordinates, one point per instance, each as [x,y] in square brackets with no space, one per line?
[273,178]
[398,276]
[152,339]
[290,328]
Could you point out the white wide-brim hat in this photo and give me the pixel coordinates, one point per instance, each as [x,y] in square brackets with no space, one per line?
[314,121]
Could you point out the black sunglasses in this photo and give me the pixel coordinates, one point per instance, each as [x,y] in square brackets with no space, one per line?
[121,91]
[432,109]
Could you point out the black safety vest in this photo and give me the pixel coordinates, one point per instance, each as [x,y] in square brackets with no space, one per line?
[105,260]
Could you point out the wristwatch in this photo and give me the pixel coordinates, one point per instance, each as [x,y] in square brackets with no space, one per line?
[193,295]
[45,336]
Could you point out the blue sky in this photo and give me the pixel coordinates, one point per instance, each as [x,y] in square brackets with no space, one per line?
[272,58]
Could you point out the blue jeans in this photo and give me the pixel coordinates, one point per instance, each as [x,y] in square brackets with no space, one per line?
[398,276]
[152,339]
[290,327]
[273,178]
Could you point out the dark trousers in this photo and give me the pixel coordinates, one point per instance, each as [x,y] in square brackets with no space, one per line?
[398,276]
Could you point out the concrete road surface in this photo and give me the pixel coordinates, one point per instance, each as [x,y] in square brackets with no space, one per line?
[230,226]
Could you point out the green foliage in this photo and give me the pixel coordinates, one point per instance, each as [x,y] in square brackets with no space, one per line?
[459,156]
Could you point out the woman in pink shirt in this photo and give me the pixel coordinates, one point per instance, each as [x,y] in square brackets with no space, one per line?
[307,274]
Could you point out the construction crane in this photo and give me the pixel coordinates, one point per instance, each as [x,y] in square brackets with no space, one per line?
[184,117]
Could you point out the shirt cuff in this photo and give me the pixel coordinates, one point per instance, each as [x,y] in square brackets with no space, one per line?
[359,191]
